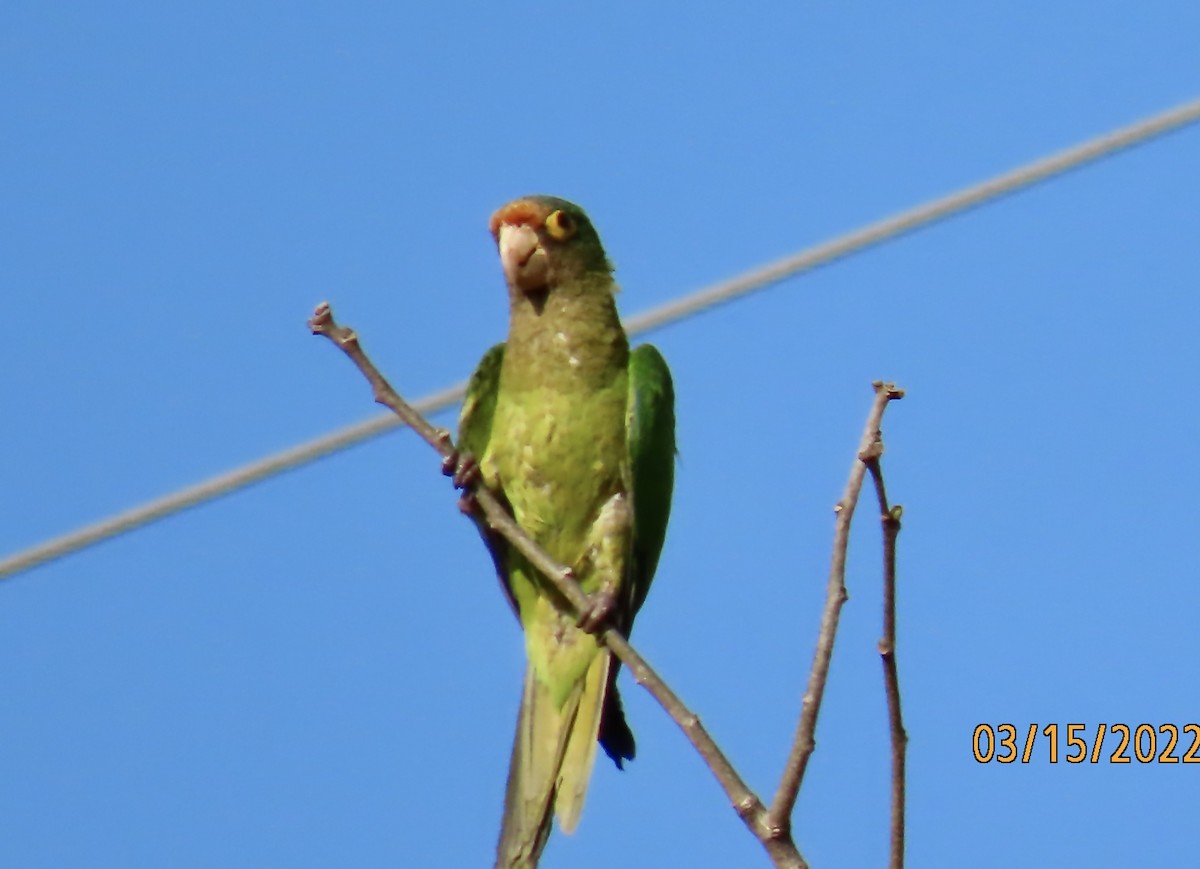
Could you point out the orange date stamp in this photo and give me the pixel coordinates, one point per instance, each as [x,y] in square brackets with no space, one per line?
[1082,743]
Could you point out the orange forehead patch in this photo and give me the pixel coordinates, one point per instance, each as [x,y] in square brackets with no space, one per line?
[521,212]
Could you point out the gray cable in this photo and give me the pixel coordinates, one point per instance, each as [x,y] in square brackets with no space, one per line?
[868,236]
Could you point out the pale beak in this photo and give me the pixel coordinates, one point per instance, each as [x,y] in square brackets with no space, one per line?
[524,260]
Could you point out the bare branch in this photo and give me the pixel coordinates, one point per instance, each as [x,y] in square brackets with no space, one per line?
[890,516]
[778,843]
[870,447]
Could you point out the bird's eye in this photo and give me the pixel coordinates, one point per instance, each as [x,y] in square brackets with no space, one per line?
[560,225]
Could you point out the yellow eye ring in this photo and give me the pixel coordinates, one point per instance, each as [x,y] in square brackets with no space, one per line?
[560,225]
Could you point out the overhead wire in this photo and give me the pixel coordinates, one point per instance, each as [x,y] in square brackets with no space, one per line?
[685,306]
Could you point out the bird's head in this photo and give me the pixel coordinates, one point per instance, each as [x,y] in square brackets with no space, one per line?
[545,242]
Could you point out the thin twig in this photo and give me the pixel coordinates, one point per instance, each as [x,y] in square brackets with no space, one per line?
[835,595]
[746,803]
[890,516]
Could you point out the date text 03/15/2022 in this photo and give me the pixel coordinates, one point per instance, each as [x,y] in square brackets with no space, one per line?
[1143,743]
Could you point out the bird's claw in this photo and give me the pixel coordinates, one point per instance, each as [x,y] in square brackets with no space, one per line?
[467,474]
[463,471]
[598,614]
[462,468]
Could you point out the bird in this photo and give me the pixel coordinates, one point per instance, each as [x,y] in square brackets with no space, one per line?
[573,432]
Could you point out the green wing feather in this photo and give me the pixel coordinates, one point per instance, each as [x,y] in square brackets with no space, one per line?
[479,405]
[650,432]
[474,432]
[650,438]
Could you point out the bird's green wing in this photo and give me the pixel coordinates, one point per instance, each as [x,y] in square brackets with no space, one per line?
[650,434]
[479,405]
[474,432]
[650,439]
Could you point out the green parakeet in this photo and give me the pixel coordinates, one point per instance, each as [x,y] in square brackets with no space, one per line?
[575,434]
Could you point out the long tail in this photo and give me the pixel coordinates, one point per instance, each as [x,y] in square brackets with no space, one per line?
[552,756]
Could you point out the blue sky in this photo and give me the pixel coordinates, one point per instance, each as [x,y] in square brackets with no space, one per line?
[320,671]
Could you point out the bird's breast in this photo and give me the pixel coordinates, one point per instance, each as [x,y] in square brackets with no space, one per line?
[559,459]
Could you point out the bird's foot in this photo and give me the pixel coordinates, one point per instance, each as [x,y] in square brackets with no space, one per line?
[462,468]
[598,615]
[464,473]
